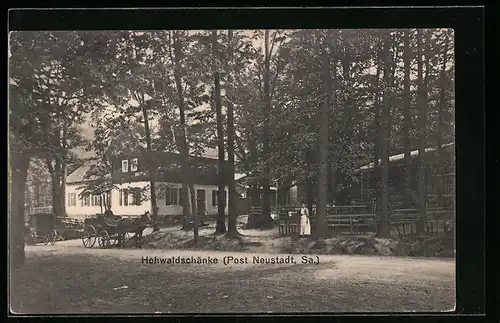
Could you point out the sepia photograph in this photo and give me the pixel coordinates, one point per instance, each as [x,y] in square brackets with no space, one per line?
[231,171]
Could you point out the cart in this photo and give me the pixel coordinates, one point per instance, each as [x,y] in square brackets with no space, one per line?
[109,233]
[40,228]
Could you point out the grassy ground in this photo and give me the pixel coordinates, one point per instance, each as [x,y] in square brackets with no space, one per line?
[71,279]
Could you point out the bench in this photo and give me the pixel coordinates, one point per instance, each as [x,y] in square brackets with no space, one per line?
[438,220]
[354,223]
[289,221]
[347,209]
[288,226]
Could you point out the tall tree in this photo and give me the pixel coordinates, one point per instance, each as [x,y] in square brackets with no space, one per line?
[266,106]
[384,135]
[422,111]
[221,203]
[321,219]
[440,125]
[377,136]
[407,125]
[46,97]
[176,52]
[151,166]
[232,230]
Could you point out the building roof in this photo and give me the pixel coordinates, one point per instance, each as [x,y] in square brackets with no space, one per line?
[398,157]
[237,176]
[78,175]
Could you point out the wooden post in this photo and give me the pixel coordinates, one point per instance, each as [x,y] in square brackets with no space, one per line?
[361,191]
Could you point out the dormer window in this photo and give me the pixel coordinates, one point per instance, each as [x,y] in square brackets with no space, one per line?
[134,164]
[125,166]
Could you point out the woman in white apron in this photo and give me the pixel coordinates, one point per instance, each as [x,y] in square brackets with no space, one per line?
[305,225]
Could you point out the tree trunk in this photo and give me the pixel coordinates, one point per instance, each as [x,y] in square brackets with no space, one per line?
[321,228]
[19,171]
[421,137]
[194,212]
[62,196]
[231,230]
[308,182]
[220,227]
[63,170]
[184,149]
[440,125]
[266,192]
[254,195]
[407,124]
[333,184]
[393,95]
[55,175]
[383,229]
[151,166]
[376,178]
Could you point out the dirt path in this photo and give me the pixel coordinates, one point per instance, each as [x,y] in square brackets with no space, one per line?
[67,278]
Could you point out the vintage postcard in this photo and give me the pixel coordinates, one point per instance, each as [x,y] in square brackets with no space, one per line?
[232,171]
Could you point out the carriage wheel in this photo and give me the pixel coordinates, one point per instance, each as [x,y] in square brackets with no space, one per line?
[89,236]
[104,239]
[53,237]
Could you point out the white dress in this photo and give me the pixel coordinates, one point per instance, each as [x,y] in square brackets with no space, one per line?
[305,226]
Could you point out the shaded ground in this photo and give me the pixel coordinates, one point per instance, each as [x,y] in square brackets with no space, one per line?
[255,240]
[67,278]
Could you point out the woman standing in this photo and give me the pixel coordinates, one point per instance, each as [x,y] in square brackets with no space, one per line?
[305,225]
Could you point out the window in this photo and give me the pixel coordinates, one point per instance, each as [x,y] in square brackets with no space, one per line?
[136,196]
[124,166]
[172,196]
[72,199]
[86,200]
[107,199]
[215,197]
[96,200]
[124,197]
[134,165]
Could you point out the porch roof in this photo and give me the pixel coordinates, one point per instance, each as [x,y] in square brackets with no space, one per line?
[398,157]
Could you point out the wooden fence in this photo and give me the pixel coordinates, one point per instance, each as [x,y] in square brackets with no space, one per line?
[438,221]
[358,219]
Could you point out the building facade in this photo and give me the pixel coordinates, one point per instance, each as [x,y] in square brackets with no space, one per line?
[130,195]
[436,171]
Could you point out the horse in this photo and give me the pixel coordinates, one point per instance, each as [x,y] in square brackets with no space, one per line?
[136,226]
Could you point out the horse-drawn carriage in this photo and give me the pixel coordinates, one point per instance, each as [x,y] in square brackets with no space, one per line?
[113,231]
[40,228]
